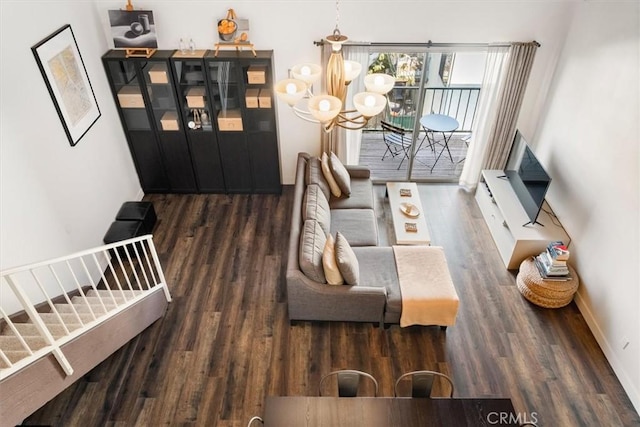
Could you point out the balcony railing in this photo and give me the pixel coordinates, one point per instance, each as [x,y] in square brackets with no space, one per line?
[458,102]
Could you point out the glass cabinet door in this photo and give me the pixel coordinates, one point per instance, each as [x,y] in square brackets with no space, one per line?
[258,95]
[225,89]
[129,93]
[192,92]
[160,91]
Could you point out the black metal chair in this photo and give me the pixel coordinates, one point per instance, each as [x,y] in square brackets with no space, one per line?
[422,383]
[348,382]
[397,140]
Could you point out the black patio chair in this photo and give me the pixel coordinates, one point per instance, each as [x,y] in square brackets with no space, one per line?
[397,140]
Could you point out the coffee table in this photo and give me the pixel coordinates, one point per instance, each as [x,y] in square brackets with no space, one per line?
[403,237]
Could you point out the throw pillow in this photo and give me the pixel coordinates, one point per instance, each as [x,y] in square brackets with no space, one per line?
[340,174]
[312,241]
[313,175]
[315,206]
[328,175]
[331,270]
[347,261]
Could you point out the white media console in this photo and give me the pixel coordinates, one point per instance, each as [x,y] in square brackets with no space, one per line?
[506,217]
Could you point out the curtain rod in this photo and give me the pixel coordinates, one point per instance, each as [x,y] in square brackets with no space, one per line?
[427,45]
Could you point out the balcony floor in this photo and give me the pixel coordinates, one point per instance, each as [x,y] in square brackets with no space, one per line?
[373,148]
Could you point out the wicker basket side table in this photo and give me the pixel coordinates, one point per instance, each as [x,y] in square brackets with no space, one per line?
[545,293]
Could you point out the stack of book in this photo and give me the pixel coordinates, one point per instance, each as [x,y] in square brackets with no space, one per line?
[552,263]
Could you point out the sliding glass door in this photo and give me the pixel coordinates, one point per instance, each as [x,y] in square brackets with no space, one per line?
[432,107]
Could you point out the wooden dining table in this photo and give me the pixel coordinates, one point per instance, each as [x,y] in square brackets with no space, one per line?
[309,411]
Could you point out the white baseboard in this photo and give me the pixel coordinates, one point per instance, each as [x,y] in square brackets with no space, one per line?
[612,358]
[139,195]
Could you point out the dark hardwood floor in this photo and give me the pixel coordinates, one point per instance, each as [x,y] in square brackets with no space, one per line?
[225,342]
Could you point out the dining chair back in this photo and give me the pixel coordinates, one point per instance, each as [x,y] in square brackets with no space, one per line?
[252,423]
[422,383]
[397,140]
[348,382]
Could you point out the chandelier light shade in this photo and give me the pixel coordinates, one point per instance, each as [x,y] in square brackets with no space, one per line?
[324,107]
[379,83]
[329,109]
[291,90]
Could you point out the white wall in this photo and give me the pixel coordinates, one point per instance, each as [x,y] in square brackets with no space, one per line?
[55,199]
[468,68]
[589,141]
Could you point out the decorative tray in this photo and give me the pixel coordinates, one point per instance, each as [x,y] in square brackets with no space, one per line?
[410,210]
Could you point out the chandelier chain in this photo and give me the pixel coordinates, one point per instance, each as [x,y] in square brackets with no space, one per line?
[337,15]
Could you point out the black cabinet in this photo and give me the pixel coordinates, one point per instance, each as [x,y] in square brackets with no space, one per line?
[146,99]
[241,89]
[197,122]
[196,111]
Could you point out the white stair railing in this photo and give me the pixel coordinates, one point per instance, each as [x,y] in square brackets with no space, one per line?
[47,304]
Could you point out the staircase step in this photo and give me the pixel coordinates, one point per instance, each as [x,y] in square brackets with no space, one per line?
[116,292]
[30,330]
[67,318]
[83,308]
[12,343]
[96,300]
[14,356]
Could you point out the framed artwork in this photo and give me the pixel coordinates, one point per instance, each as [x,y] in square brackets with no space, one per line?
[133,29]
[66,78]
[233,30]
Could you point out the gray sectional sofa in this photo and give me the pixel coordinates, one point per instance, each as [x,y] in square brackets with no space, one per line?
[316,212]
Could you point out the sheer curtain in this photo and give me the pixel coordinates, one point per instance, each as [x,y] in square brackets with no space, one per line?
[487,113]
[506,76]
[521,57]
[348,142]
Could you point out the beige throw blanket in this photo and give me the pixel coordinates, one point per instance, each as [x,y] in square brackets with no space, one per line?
[428,294]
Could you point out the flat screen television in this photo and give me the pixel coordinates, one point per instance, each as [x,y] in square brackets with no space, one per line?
[527,177]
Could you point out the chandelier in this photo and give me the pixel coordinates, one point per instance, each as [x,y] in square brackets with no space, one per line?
[328,109]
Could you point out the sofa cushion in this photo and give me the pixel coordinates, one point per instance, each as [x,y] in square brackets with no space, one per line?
[358,226]
[315,206]
[331,270]
[378,269]
[312,241]
[340,174]
[361,196]
[328,175]
[347,261]
[313,175]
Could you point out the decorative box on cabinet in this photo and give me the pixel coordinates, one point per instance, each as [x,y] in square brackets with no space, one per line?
[130,97]
[195,97]
[264,99]
[256,75]
[230,120]
[169,121]
[158,74]
[505,216]
[251,98]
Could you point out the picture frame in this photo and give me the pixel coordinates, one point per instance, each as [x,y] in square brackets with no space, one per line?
[133,29]
[233,30]
[67,81]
